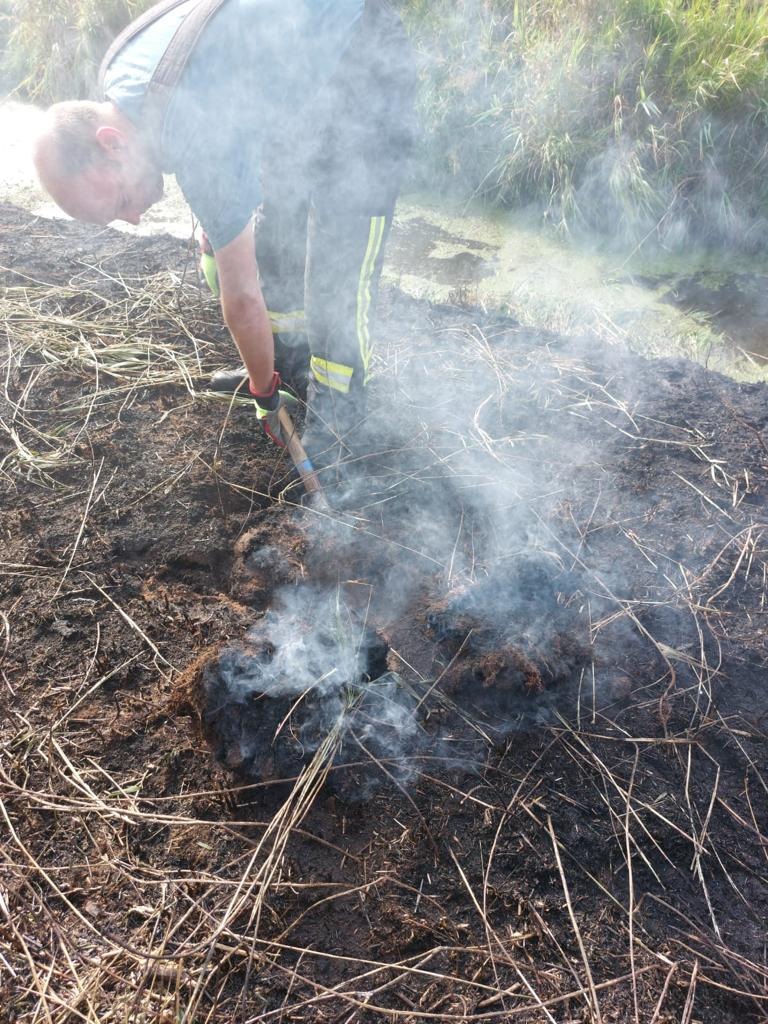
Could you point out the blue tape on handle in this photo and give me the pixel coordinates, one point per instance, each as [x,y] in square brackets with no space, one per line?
[305,466]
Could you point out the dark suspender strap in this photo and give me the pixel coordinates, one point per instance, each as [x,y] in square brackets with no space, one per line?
[128,33]
[172,63]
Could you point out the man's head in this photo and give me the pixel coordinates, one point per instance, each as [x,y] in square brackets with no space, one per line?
[94,164]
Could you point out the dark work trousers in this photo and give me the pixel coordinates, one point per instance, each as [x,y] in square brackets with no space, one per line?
[330,178]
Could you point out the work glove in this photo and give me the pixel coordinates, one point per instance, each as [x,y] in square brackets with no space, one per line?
[268,405]
[208,265]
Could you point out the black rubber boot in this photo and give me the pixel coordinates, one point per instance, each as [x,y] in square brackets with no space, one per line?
[292,360]
[230,382]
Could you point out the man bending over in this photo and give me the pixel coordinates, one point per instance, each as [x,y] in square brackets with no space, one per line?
[295,111]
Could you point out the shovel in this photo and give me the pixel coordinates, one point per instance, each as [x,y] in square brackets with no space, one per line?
[301,461]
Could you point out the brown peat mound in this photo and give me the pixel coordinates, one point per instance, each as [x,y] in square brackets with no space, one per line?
[266,704]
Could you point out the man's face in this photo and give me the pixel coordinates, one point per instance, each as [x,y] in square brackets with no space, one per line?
[120,188]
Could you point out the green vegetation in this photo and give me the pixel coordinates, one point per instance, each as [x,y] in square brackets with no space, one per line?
[637,118]
[51,49]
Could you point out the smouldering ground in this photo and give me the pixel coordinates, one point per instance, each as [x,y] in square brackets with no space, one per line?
[593,850]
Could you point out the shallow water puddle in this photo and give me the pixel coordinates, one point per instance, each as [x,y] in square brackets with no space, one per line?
[689,306]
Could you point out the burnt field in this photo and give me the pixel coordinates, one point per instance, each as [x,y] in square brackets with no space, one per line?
[485,744]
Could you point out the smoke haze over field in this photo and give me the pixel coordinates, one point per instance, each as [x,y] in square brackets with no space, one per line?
[500,525]
[531,632]
[519,471]
[487,451]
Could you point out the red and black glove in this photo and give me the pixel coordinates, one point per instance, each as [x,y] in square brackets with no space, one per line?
[268,405]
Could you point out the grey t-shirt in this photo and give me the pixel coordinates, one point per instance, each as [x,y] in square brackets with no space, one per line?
[252,82]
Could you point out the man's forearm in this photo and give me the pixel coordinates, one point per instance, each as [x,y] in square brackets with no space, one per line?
[248,322]
[244,309]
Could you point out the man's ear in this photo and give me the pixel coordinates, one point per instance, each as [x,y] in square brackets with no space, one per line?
[111,140]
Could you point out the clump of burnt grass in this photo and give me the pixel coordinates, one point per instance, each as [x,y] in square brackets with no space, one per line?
[639,119]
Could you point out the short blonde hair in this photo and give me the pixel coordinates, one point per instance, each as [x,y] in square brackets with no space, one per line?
[68,142]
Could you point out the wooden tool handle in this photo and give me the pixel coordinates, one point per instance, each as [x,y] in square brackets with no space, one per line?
[301,460]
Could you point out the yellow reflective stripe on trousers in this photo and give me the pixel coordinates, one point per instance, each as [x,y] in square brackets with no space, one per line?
[331,375]
[364,298]
[291,321]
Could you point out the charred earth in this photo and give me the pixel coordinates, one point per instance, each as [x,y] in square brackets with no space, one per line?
[489,745]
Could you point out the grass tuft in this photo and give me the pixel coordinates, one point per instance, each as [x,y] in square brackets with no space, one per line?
[643,118]
[51,49]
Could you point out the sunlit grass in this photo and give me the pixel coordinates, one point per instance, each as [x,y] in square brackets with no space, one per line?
[51,49]
[642,118]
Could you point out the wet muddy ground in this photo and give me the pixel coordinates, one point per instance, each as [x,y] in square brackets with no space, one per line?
[703,305]
[534,631]
[736,304]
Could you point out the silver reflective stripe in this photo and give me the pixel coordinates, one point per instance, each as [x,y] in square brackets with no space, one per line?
[293,321]
[331,375]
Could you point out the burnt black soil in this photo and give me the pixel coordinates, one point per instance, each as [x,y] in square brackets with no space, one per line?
[556,550]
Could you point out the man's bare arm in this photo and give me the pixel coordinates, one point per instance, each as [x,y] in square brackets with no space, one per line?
[244,309]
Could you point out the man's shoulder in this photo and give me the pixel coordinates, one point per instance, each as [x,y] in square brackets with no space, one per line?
[129,72]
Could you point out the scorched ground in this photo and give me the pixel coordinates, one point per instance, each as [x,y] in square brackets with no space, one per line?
[554,805]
